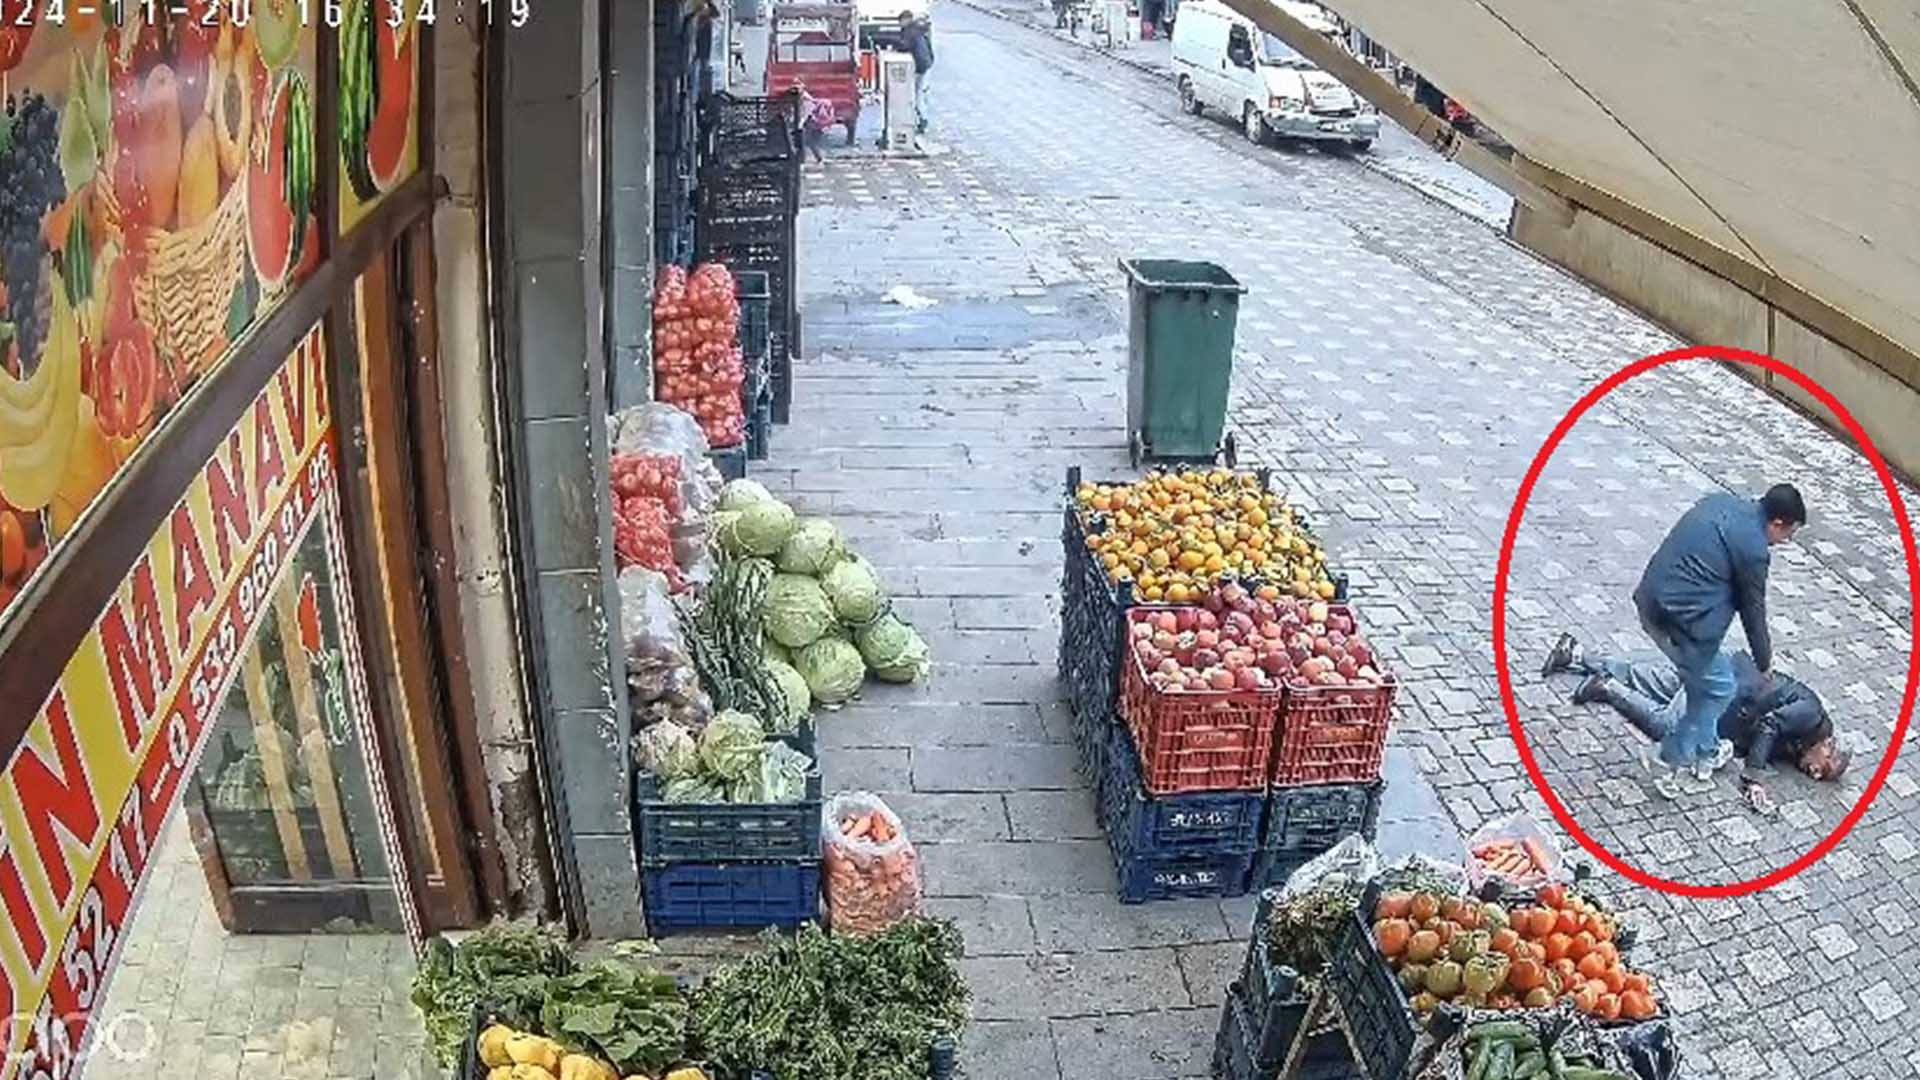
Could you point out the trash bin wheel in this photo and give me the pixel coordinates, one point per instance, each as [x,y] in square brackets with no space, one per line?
[1134,450]
[1230,452]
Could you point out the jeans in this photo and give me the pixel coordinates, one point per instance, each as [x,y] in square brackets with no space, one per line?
[921,100]
[1648,695]
[1706,676]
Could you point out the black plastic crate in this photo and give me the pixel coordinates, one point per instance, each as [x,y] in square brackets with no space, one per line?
[730,460]
[1250,1046]
[745,129]
[1226,823]
[1382,1023]
[1180,876]
[724,832]
[780,363]
[1316,817]
[755,294]
[752,195]
[740,896]
[760,429]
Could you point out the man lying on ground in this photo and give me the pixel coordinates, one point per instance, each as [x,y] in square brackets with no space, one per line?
[1784,721]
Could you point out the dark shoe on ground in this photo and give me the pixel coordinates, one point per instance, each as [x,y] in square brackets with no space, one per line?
[1591,689]
[1561,658]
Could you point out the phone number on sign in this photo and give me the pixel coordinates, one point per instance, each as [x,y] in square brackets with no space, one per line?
[328,13]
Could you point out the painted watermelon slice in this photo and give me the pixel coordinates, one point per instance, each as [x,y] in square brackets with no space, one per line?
[392,128]
[270,221]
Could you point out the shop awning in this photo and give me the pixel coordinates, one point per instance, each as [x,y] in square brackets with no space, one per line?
[1786,134]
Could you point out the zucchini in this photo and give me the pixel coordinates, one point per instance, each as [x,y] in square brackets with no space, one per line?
[1479,1057]
[1499,1029]
[1532,1064]
[1593,1074]
[1556,1066]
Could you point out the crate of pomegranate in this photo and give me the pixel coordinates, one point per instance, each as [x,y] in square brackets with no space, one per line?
[1339,696]
[1176,537]
[1200,698]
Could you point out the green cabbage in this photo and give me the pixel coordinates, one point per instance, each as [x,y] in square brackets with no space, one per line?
[832,668]
[793,688]
[773,650]
[854,589]
[720,529]
[763,527]
[666,750]
[893,650]
[693,789]
[731,745]
[797,611]
[814,546]
[740,494]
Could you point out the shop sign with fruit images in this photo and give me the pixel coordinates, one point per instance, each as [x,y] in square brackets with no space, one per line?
[379,76]
[156,198]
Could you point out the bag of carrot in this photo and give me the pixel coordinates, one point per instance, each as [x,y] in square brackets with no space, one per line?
[873,872]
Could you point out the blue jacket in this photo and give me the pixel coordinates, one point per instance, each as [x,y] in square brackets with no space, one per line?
[1711,566]
[917,41]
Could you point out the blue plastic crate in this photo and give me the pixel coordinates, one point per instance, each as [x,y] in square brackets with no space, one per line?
[742,896]
[1180,876]
[1313,819]
[1224,823]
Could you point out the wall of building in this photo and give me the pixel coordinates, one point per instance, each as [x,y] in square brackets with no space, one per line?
[1706,307]
[551,252]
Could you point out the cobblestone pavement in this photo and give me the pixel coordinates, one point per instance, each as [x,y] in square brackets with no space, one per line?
[1399,366]
[252,1007]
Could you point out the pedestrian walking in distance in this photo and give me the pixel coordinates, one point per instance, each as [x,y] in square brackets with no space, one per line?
[1786,723]
[916,39]
[1711,567]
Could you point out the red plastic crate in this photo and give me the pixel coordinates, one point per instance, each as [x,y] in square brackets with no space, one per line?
[1198,740]
[1333,734]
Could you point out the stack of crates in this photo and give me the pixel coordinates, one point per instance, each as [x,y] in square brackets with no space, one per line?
[1263,1014]
[756,299]
[1308,757]
[749,198]
[1324,781]
[737,866]
[678,73]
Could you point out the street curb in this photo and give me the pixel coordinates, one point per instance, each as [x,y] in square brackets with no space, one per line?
[1167,76]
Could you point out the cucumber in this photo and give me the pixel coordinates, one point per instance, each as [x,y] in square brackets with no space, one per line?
[1499,1029]
[1593,1074]
[1501,1067]
[1479,1057]
[1531,1065]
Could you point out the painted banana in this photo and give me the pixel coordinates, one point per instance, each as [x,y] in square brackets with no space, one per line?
[26,405]
[31,472]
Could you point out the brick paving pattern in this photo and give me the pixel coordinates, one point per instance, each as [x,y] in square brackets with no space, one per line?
[1399,366]
[252,1006]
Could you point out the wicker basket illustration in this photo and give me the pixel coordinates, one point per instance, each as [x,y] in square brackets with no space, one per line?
[184,290]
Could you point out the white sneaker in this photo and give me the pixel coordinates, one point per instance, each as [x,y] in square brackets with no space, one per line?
[1722,755]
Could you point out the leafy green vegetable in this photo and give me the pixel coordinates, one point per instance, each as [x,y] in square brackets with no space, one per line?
[894,650]
[507,965]
[814,546]
[763,527]
[854,590]
[693,789]
[1302,930]
[793,692]
[666,750]
[833,669]
[819,1007]
[731,746]
[631,1016]
[797,611]
[740,494]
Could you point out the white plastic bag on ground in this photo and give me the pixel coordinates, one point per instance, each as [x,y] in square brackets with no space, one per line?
[1516,850]
[1349,864]
[871,883]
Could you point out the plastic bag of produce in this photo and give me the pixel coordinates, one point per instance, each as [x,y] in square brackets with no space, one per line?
[1420,872]
[833,669]
[1349,864]
[731,746]
[666,750]
[661,679]
[1516,852]
[797,611]
[813,546]
[794,692]
[659,428]
[894,651]
[873,872]
[855,590]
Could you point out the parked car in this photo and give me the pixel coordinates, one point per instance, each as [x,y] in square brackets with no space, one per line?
[1222,61]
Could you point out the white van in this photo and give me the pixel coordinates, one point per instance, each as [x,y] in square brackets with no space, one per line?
[1222,61]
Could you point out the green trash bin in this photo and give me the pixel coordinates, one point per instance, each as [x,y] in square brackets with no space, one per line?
[1180,329]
